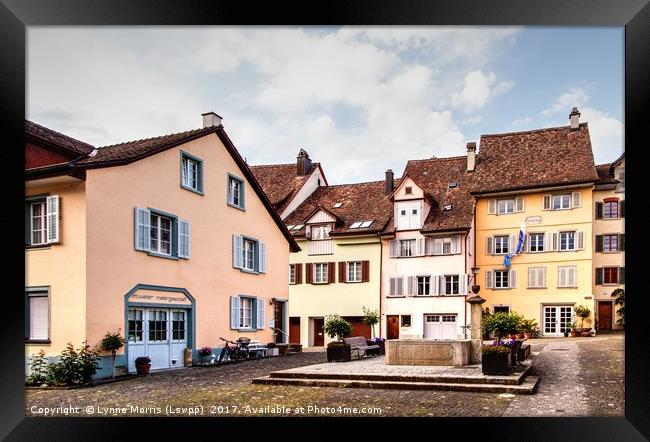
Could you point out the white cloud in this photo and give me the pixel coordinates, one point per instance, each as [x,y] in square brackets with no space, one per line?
[575,96]
[606,133]
[478,89]
[521,122]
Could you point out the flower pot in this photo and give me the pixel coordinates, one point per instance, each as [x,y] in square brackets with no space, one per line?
[205,359]
[272,351]
[338,352]
[526,335]
[143,368]
[496,364]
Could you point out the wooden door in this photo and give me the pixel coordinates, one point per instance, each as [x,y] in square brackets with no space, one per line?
[294,330]
[605,315]
[319,335]
[278,321]
[359,328]
[392,327]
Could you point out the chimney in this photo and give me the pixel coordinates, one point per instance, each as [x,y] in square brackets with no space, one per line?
[389,184]
[211,119]
[303,164]
[574,117]
[471,156]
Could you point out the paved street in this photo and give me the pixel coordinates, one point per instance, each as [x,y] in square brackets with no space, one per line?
[581,376]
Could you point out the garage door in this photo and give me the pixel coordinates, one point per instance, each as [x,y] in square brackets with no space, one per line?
[359,328]
[159,333]
[440,326]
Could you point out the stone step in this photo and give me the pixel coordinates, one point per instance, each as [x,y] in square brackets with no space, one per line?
[528,386]
[514,379]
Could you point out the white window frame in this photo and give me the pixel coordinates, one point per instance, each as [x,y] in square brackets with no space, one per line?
[423,282]
[451,279]
[292,273]
[561,199]
[353,271]
[499,282]
[245,321]
[608,241]
[504,206]
[575,241]
[190,176]
[34,293]
[43,219]
[248,254]
[321,277]
[536,243]
[502,238]
[410,248]
[235,190]
[156,244]
[320,232]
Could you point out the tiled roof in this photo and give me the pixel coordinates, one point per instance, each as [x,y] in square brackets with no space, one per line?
[434,176]
[280,182]
[360,202]
[57,139]
[134,150]
[536,158]
[605,175]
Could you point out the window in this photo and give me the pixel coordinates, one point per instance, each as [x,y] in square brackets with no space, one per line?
[452,185]
[610,209]
[406,320]
[320,232]
[248,262]
[536,242]
[245,312]
[160,235]
[567,276]
[610,275]
[501,244]
[249,254]
[134,326]
[446,246]
[424,285]
[191,173]
[506,206]
[562,201]
[366,224]
[157,325]
[407,247]
[354,271]
[337,205]
[356,225]
[567,241]
[42,220]
[396,286]
[38,315]
[235,192]
[501,309]
[452,284]
[178,326]
[536,277]
[610,243]
[292,273]
[408,190]
[501,278]
[320,273]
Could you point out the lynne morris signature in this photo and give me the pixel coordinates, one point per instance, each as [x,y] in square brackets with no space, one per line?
[160,298]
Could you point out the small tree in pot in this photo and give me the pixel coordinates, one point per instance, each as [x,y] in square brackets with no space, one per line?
[143,364]
[337,327]
[501,324]
[619,299]
[112,342]
[371,317]
[583,313]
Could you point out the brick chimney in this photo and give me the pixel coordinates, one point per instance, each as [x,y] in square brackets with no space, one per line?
[211,119]
[389,184]
[574,118]
[303,163]
[471,156]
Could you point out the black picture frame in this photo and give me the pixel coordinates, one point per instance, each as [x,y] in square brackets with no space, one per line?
[15,15]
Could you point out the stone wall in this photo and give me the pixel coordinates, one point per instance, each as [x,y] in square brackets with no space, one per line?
[427,352]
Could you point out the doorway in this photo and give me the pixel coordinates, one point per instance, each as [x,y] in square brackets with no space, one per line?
[279,332]
[319,337]
[294,330]
[604,315]
[392,327]
[439,326]
[557,319]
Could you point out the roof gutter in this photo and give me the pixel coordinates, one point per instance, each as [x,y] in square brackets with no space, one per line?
[533,189]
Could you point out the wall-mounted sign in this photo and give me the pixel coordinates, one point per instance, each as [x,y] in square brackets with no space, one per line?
[155,297]
[532,220]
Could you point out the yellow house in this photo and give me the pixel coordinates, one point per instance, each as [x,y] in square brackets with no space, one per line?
[338,270]
[170,240]
[541,180]
[609,241]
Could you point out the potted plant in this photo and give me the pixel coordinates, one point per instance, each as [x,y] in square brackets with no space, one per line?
[381,342]
[112,342]
[272,349]
[583,313]
[205,353]
[143,365]
[501,324]
[528,327]
[337,327]
[572,329]
[371,317]
[496,360]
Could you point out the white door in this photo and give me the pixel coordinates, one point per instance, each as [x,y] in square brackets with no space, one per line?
[557,319]
[440,326]
[160,334]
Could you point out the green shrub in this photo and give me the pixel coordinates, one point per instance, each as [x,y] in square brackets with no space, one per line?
[501,324]
[75,367]
[494,349]
[371,317]
[38,369]
[528,325]
[112,342]
[336,327]
[583,313]
[619,299]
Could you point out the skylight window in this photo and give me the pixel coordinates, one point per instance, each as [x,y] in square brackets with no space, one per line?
[361,224]
[356,225]
[298,226]
[290,227]
[366,224]
[453,185]
[337,205]
[447,208]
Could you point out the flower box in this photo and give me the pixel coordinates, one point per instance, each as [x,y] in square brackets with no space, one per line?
[338,352]
[496,360]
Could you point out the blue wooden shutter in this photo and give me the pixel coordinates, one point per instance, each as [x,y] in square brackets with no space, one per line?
[183,239]
[242,195]
[261,247]
[237,251]
[142,229]
[234,312]
[52,207]
[260,304]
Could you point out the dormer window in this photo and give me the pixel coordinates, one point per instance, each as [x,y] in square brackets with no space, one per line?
[320,232]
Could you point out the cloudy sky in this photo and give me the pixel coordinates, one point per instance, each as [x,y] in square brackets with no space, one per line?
[358,99]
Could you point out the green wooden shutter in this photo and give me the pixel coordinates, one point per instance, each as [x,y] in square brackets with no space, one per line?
[599,276]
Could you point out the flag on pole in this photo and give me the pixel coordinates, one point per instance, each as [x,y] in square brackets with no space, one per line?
[519,248]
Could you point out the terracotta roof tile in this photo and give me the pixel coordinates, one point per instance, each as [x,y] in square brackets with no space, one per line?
[65,142]
[281,182]
[605,175]
[360,202]
[536,158]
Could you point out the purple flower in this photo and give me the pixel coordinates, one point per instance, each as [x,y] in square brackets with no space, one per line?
[205,351]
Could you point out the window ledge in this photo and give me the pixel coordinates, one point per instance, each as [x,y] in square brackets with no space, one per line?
[568,287]
[191,189]
[395,296]
[536,288]
[252,272]
[160,255]
[38,247]
[38,341]
[237,207]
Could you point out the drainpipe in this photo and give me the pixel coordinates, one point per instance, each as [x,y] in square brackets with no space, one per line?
[381,280]
[466,288]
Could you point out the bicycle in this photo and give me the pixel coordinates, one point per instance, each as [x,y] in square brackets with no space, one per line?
[236,350]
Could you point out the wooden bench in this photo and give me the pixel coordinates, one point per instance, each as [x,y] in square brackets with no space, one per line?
[359,344]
